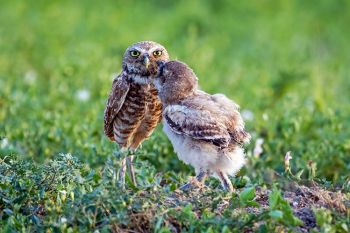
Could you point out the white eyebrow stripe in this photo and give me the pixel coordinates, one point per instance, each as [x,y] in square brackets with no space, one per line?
[157,48]
[141,49]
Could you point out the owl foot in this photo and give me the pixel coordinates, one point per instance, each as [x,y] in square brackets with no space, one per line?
[186,187]
[197,182]
[192,186]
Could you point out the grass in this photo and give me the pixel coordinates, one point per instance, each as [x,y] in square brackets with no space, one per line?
[286,63]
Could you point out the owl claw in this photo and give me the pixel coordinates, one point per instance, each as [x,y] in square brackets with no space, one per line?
[196,182]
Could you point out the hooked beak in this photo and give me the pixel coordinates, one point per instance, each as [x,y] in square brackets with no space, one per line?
[146,61]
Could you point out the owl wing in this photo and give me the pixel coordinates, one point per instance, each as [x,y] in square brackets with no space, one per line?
[120,88]
[197,124]
[224,102]
[235,123]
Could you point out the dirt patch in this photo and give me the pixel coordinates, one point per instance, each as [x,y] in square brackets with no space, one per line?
[301,198]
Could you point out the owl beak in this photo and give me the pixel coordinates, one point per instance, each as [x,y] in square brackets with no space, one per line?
[146,61]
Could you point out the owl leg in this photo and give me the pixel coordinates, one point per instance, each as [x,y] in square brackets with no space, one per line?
[122,172]
[202,175]
[225,181]
[131,170]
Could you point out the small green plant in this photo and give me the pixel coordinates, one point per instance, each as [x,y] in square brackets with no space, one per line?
[327,224]
[247,196]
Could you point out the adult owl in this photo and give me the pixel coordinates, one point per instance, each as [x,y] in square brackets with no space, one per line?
[207,131]
[133,109]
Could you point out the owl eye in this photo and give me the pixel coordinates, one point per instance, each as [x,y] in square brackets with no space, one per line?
[134,53]
[157,53]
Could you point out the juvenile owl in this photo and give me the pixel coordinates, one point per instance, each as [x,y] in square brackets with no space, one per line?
[206,131]
[133,109]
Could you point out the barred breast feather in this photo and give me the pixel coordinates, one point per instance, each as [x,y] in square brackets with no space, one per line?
[153,116]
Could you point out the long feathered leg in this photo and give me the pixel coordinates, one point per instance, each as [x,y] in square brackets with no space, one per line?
[225,181]
[129,161]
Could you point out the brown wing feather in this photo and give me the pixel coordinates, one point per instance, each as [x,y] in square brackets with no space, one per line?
[196,124]
[235,124]
[120,88]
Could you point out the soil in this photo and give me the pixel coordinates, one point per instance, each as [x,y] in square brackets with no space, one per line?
[302,199]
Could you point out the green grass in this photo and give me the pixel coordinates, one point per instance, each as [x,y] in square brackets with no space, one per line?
[286,62]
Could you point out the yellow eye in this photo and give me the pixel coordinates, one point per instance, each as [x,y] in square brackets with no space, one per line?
[157,53]
[134,53]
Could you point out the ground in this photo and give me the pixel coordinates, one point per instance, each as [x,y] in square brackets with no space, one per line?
[285,63]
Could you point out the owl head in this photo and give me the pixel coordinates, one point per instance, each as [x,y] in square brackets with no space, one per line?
[143,58]
[175,81]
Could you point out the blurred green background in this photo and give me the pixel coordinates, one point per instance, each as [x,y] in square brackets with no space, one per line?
[286,63]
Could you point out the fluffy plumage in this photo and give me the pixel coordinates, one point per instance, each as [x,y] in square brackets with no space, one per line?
[133,108]
[207,131]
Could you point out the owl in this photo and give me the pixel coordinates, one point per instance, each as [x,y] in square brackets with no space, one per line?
[133,108]
[206,131]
